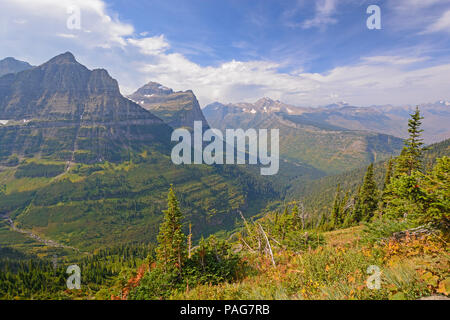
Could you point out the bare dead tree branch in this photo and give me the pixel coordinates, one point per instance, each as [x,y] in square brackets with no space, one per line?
[268,244]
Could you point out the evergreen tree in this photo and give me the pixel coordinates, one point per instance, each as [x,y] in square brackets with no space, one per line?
[388,176]
[434,203]
[295,217]
[368,195]
[171,250]
[286,222]
[322,221]
[387,181]
[410,158]
[335,214]
[344,217]
[357,209]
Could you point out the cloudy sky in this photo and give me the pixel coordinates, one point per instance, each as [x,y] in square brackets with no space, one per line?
[301,52]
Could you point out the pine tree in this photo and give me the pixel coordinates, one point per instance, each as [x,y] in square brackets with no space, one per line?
[410,158]
[285,223]
[368,195]
[171,250]
[388,175]
[387,181]
[335,214]
[295,217]
[344,218]
[357,209]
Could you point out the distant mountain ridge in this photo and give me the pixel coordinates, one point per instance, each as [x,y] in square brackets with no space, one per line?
[11,65]
[391,120]
[327,147]
[385,119]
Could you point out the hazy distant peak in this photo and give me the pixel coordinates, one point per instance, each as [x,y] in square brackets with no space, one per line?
[12,65]
[154,88]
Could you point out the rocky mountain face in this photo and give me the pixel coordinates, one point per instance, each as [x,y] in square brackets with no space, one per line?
[62,109]
[64,89]
[11,65]
[306,141]
[177,109]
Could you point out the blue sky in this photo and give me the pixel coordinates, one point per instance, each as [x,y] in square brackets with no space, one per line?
[212,32]
[299,51]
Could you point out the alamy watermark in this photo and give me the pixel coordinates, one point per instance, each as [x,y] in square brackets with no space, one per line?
[374,21]
[74,20]
[374,280]
[74,280]
[236,142]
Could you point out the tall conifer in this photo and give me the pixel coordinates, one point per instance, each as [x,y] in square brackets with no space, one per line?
[171,250]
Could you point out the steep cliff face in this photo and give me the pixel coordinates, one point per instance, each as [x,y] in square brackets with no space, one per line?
[177,109]
[63,110]
[64,89]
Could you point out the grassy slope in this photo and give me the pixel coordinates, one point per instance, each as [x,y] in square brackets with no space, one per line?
[338,270]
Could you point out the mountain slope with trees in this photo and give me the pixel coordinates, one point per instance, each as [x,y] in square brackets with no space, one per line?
[331,149]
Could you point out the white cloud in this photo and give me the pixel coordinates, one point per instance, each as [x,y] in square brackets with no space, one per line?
[44,17]
[150,46]
[66,35]
[325,9]
[442,24]
[405,15]
[373,80]
[107,42]
[396,60]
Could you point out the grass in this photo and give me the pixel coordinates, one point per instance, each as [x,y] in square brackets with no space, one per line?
[339,270]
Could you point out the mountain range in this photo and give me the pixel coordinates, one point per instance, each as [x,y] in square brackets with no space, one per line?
[324,146]
[385,119]
[87,167]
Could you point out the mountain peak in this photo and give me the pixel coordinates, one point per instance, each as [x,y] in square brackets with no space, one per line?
[66,57]
[64,89]
[265,100]
[9,59]
[12,65]
[154,88]
[178,109]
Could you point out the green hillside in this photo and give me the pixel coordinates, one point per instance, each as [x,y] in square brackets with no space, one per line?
[318,195]
[95,205]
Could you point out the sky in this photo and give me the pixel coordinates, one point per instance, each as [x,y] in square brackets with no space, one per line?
[301,52]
